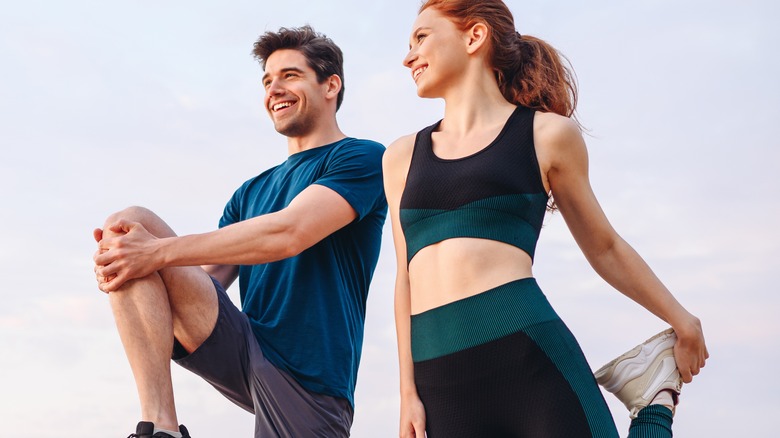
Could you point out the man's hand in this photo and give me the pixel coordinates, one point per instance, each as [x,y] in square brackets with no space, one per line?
[97,234]
[131,253]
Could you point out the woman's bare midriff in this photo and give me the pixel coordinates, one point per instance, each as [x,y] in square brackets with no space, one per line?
[462,267]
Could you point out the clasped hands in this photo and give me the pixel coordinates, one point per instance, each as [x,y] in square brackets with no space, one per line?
[126,251]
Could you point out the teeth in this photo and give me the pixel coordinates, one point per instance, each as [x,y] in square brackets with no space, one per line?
[418,71]
[281,105]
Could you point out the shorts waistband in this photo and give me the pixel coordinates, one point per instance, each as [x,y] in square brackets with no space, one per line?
[478,319]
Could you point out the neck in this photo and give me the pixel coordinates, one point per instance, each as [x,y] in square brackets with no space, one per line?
[318,137]
[474,103]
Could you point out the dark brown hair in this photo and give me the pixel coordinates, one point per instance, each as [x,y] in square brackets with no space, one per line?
[322,54]
[529,71]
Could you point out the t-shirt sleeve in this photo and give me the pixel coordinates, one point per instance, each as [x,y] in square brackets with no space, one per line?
[232,212]
[354,171]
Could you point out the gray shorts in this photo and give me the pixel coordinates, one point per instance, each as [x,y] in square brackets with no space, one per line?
[231,360]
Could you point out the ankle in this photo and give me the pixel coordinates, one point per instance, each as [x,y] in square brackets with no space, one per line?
[666,398]
[162,415]
[174,433]
[147,429]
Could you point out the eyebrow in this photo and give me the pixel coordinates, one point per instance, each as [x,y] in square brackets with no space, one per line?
[285,70]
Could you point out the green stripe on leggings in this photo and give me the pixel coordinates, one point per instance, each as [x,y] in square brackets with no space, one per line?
[568,357]
[479,319]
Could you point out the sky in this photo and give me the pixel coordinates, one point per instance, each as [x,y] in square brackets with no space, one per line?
[109,104]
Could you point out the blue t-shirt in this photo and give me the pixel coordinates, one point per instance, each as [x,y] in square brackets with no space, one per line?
[308,311]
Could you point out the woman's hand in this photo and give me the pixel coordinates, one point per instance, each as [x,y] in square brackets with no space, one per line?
[690,351]
[412,418]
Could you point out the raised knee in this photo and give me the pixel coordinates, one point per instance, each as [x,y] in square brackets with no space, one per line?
[133,213]
[153,223]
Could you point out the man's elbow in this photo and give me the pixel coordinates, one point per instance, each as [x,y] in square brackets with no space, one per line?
[293,243]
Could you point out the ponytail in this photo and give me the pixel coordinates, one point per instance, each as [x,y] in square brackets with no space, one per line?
[541,78]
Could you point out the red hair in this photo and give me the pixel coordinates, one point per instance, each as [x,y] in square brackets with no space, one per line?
[529,71]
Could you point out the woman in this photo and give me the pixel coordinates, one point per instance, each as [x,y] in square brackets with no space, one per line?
[482,353]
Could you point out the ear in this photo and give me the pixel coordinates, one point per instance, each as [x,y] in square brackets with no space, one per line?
[332,86]
[476,37]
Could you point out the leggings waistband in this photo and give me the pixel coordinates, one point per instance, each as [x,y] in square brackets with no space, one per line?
[478,319]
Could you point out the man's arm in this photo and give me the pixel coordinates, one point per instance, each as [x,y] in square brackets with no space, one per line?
[314,214]
[225,274]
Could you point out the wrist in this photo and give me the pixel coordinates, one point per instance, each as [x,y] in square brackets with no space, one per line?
[687,326]
[409,391]
[162,252]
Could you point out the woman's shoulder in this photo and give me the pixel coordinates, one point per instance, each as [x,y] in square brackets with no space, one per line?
[558,141]
[400,150]
[555,128]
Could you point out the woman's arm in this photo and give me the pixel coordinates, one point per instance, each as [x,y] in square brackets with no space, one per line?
[395,164]
[564,161]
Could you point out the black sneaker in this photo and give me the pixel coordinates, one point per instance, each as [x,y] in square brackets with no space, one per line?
[144,429]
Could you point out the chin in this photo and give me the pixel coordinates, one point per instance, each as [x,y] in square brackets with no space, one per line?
[293,129]
[425,94]
[425,91]
[421,91]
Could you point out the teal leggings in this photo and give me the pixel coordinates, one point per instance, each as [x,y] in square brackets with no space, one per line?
[654,421]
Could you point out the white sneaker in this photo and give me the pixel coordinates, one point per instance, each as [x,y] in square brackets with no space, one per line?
[637,376]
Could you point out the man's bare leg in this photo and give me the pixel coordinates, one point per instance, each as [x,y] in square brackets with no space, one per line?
[150,311]
[143,319]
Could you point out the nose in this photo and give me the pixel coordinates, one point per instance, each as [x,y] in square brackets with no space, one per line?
[410,58]
[273,88]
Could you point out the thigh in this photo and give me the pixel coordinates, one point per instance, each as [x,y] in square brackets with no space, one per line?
[190,289]
[502,363]
[504,388]
[193,298]
[231,360]
[283,408]
[223,359]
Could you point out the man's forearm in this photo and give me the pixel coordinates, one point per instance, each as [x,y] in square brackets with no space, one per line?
[259,240]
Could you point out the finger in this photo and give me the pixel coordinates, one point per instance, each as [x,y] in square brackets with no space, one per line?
[104,279]
[686,375]
[408,431]
[419,430]
[102,286]
[97,234]
[110,270]
[115,283]
[97,254]
[104,257]
[105,245]
[108,286]
[122,226]
[101,259]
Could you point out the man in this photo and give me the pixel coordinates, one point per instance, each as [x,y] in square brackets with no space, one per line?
[303,239]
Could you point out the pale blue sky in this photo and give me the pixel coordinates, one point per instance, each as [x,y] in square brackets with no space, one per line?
[107,104]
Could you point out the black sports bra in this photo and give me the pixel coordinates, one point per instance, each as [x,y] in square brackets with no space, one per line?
[496,193]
